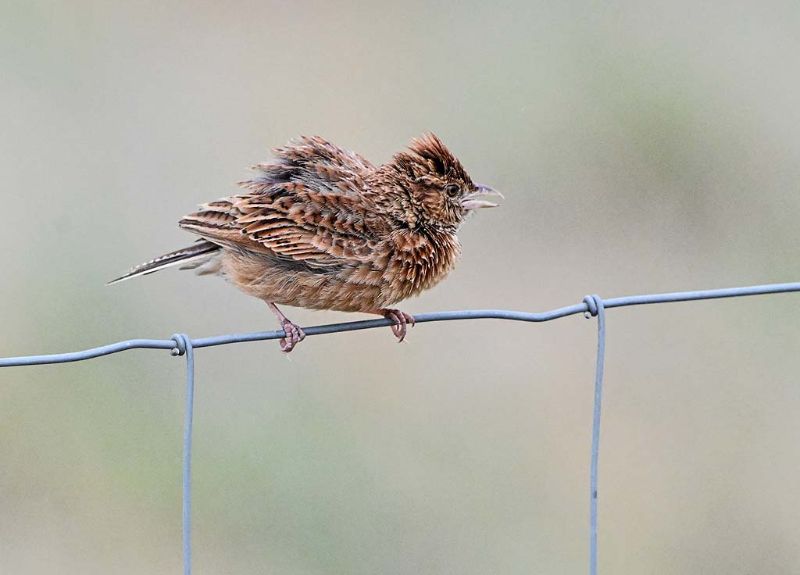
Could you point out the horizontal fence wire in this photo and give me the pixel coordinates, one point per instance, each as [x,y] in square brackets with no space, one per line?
[591,306]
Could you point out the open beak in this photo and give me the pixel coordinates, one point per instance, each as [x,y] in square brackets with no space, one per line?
[473,201]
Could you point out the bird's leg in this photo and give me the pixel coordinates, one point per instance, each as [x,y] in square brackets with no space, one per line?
[401,320]
[294,334]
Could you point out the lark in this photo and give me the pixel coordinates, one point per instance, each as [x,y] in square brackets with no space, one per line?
[321,227]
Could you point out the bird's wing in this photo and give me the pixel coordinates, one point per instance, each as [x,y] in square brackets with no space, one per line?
[292,221]
[309,204]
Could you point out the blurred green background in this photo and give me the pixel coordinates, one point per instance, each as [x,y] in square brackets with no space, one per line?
[642,147]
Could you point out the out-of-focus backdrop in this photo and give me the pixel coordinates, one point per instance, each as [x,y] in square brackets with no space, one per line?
[642,147]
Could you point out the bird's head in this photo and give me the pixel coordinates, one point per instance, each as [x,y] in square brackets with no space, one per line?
[441,190]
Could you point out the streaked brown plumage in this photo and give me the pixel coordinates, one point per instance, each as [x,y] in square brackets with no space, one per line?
[321,227]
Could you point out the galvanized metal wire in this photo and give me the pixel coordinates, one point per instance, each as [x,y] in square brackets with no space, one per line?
[596,309]
[591,306]
[183,346]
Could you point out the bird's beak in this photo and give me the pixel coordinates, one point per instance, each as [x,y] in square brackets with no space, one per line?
[473,201]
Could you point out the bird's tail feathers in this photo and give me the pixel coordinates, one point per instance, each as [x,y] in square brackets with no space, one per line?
[189,257]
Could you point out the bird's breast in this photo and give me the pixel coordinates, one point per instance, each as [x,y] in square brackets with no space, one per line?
[418,262]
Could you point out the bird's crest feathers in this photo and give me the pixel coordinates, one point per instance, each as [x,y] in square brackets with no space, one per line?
[429,152]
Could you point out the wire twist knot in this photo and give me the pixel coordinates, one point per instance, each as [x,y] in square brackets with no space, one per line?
[593,305]
[182,343]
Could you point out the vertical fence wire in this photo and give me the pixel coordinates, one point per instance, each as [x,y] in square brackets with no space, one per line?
[596,308]
[183,346]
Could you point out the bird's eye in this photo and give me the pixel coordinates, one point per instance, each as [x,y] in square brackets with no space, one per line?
[452,190]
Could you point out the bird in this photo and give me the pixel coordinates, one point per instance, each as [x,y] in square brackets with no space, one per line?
[321,227]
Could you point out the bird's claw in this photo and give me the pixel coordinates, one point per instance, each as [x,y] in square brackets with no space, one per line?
[294,335]
[401,320]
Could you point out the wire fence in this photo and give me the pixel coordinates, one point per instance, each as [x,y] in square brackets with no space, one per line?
[592,306]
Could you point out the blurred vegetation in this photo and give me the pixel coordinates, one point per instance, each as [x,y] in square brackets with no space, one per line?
[641,146]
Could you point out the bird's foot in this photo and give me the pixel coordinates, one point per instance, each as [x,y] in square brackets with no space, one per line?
[401,320]
[294,335]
